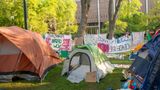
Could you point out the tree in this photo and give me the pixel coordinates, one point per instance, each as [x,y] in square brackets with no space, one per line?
[57,16]
[11,13]
[130,13]
[65,16]
[154,16]
[113,16]
[120,27]
[128,18]
[137,22]
[38,13]
[85,5]
[129,8]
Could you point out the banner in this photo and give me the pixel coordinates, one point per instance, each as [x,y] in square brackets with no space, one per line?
[122,44]
[120,47]
[103,44]
[59,42]
[92,39]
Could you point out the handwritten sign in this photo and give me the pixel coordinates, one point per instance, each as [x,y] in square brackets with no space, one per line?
[119,48]
[119,45]
[59,42]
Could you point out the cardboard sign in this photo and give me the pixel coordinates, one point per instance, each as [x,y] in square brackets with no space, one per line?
[90,77]
[78,41]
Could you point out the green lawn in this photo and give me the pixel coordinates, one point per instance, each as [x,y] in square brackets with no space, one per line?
[54,81]
[121,61]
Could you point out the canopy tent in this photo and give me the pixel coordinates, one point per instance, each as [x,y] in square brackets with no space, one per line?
[84,59]
[24,54]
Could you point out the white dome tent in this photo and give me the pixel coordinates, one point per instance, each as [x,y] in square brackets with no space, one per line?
[86,59]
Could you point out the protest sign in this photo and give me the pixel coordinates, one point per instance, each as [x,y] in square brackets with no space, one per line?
[122,44]
[59,42]
[119,45]
[92,39]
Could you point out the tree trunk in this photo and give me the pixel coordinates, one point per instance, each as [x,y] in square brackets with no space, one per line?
[85,5]
[112,17]
[111,30]
[51,25]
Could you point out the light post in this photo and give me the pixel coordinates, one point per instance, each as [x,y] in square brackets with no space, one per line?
[99,21]
[25,14]
[146,6]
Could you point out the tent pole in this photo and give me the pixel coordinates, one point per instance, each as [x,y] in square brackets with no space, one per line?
[18,60]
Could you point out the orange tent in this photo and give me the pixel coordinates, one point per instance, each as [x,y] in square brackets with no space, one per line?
[24,54]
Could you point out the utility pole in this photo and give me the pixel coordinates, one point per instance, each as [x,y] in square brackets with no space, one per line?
[25,14]
[99,21]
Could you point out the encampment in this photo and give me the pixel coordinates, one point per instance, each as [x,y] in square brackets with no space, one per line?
[84,60]
[24,54]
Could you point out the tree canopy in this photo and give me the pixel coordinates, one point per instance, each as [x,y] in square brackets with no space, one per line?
[130,13]
[130,18]
[154,16]
[57,16]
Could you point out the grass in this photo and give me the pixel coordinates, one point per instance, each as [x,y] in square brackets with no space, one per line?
[121,61]
[54,81]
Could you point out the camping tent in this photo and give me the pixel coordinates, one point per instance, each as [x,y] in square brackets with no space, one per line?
[146,67]
[24,54]
[84,59]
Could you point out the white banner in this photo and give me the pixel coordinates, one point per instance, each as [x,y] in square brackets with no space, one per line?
[119,45]
[92,39]
[122,44]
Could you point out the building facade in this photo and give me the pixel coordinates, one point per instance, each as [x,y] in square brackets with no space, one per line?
[103,13]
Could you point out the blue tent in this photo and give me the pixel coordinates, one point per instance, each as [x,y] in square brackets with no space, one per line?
[146,67]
